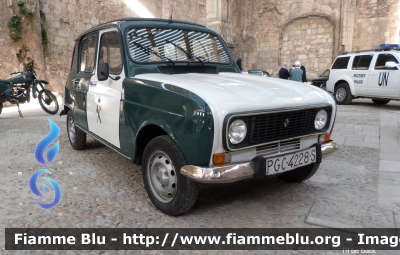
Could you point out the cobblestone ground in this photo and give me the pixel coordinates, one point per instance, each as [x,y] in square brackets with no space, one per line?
[354,187]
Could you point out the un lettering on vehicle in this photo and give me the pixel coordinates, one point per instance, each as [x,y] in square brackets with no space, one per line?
[383,79]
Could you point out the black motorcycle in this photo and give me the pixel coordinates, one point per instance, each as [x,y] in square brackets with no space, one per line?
[17,91]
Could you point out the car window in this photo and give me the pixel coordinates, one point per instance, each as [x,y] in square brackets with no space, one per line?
[362,62]
[256,73]
[110,52]
[341,63]
[325,73]
[382,59]
[88,49]
[152,45]
[74,62]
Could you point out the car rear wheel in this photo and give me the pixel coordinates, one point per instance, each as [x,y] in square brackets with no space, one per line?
[77,137]
[343,94]
[171,192]
[300,174]
[380,101]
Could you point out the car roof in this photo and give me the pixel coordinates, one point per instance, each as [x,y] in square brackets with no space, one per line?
[380,50]
[118,22]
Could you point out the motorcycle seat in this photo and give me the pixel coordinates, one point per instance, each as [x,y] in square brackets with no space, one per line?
[5,82]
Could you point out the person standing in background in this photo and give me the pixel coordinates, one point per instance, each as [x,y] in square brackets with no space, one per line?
[296,74]
[284,72]
[303,78]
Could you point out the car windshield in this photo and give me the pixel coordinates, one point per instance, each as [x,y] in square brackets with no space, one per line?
[325,73]
[256,73]
[175,45]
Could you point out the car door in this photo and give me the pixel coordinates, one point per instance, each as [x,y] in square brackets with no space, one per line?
[384,81]
[70,97]
[360,67]
[104,97]
[81,81]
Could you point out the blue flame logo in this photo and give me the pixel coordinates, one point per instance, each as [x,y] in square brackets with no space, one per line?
[35,190]
[51,137]
[50,155]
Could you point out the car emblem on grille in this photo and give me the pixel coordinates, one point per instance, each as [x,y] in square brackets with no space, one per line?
[286,123]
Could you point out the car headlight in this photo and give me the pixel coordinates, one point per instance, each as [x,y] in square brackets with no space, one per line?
[321,119]
[237,131]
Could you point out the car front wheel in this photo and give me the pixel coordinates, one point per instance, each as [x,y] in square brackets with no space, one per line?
[77,137]
[171,192]
[343,94]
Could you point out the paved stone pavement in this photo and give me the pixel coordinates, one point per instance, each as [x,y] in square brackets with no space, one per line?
[356,187]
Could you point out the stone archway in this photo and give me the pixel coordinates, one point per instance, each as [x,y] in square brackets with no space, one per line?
[311,39]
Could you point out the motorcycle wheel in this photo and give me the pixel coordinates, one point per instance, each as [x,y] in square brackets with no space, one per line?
[48,101]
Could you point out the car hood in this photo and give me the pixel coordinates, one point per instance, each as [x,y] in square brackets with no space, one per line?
[233,92]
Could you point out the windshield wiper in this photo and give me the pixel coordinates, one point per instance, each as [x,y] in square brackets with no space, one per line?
[150,50]
[188,55]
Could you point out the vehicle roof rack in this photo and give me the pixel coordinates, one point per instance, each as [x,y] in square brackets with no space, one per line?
[378,49]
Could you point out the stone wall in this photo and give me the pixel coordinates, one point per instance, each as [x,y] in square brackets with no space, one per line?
[310,40]
[314,31]
[278,31]
[262,32]
[376,22]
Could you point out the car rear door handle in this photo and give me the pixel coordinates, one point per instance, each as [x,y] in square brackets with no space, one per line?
[93,83]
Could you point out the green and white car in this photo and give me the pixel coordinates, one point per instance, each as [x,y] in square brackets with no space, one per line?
[168,96]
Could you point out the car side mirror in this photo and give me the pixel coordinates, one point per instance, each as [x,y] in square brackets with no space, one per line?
[390,64]
[239,63]
[103,72]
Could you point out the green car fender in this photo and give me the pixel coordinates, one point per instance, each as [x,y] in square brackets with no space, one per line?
[150,109]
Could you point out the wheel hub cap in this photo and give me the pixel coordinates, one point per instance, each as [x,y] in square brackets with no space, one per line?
[340,94]
[71,129]
[162,177]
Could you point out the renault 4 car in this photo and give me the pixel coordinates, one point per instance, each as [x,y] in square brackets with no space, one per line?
[168,96]
[371,74]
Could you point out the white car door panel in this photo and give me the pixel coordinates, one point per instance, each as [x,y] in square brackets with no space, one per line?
[384,81]
[103,100]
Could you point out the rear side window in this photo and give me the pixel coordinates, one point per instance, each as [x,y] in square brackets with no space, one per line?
[110,52]
[74,63]
[88,50]
[382,59]
[341,63]
[362,62]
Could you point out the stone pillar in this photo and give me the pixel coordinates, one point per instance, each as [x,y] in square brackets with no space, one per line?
[347,25]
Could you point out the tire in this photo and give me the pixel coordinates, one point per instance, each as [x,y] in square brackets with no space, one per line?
[380,101]
[77,137]
[300,174]
[48,101]
[342,94]
[1,107]
[171,192]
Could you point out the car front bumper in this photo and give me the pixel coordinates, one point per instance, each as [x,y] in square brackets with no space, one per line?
[240,171]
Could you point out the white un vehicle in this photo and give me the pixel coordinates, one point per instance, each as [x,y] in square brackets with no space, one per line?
[371,74]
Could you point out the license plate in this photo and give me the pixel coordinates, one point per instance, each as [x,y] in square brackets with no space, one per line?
[291,161]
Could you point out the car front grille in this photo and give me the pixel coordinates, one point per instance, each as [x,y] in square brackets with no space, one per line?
[279,147]
[281,125]
[276,126]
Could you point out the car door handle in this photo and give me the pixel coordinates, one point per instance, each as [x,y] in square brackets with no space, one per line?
[93,83]
[76,81]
